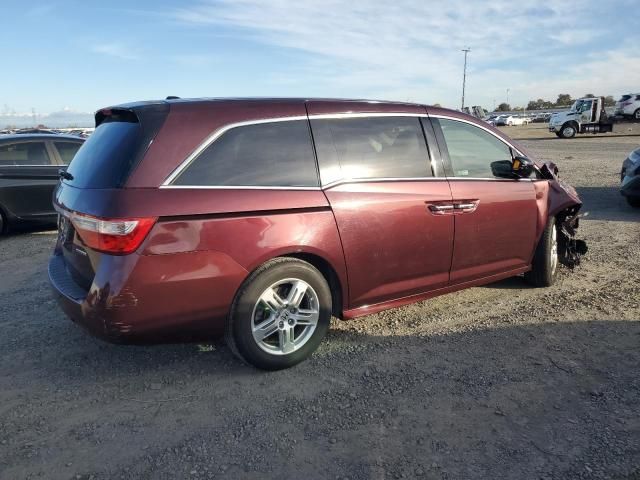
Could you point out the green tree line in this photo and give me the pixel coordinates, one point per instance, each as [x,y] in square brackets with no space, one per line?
[563,100]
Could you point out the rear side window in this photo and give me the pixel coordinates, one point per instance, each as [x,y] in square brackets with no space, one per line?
[67,150]
[24,153]
[370,147]
[474,152]
[276,154]
[625,98]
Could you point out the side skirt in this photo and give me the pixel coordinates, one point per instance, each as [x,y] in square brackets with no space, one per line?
[398,302]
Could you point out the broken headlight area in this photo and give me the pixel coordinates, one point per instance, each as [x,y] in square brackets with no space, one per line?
[570,249]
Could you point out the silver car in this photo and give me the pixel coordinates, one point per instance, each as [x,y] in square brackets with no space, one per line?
[629,106]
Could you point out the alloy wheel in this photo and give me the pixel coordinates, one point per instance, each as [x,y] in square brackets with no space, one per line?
[285,316]
[553,254]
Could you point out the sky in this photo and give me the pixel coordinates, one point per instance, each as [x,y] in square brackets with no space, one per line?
[78,56]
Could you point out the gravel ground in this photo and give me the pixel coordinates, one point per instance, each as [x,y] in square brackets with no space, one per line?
[503,381]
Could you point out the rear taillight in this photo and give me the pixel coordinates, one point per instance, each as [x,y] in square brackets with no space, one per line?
[118,236]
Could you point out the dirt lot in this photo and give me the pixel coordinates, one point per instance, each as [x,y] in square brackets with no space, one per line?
[503,381]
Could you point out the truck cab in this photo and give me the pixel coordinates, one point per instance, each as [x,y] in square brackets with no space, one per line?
[586,115]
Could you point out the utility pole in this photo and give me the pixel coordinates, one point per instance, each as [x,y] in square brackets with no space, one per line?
[464,73]
[507,96]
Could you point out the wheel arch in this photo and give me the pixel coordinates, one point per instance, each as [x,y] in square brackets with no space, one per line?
[337,285]
[571,123]
[329,273]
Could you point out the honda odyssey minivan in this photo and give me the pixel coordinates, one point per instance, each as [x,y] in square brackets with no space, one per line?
[260,219]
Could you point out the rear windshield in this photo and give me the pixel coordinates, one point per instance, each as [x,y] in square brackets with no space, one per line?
[104,160]
[117,145]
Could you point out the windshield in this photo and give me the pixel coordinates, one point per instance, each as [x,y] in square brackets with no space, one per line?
[576,106]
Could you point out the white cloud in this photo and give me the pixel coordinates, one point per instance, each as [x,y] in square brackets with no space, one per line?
[411,49]
[117,50]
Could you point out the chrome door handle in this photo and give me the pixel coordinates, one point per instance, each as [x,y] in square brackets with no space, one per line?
[466,206]
[441,209]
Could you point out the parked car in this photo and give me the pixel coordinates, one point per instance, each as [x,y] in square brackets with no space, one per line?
[260,219]
[496,120]
[630,178]
[508,120]
[628,106]
[29,165]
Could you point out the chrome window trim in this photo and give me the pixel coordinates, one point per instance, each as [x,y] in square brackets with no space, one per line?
[41,165]
[381,179]
[217,134]
[329,116]
[491,179]
[236,187]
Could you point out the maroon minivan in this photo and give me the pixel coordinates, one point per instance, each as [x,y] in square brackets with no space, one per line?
[262,218]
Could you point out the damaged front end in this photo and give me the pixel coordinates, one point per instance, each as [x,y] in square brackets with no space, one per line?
[564,203]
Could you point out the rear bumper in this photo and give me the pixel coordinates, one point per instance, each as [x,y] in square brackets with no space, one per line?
[151,298]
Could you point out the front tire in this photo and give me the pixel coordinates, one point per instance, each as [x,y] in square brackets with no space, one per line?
[568,131]
[544,267]
[636,114]
[280,315]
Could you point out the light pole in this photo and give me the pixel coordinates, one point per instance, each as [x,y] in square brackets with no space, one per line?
[507,96]
[464,73]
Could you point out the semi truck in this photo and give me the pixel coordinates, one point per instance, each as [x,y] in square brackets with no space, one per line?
[586,115]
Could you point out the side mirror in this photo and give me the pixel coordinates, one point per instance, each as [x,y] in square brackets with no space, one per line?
[502,169]
[522,167]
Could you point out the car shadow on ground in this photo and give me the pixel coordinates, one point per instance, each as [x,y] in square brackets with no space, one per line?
[606,203]
[510,401]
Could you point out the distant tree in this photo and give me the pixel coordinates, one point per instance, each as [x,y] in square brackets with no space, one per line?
[533,105]
[609,101]
[503,107]
[589,95]
[437,105]
[564,99]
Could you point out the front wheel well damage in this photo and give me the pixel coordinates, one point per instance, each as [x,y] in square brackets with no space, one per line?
[570,249]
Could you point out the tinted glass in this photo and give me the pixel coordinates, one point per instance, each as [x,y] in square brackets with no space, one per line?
[472,150]
[105,157]
[29,153]
[370,147]
[268,154]
[67,150]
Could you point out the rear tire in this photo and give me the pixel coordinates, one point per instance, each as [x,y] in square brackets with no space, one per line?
[544,267]
[633,201]
[636,114]
[280,314]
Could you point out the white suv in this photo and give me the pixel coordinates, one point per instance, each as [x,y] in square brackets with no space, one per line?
[629,105]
